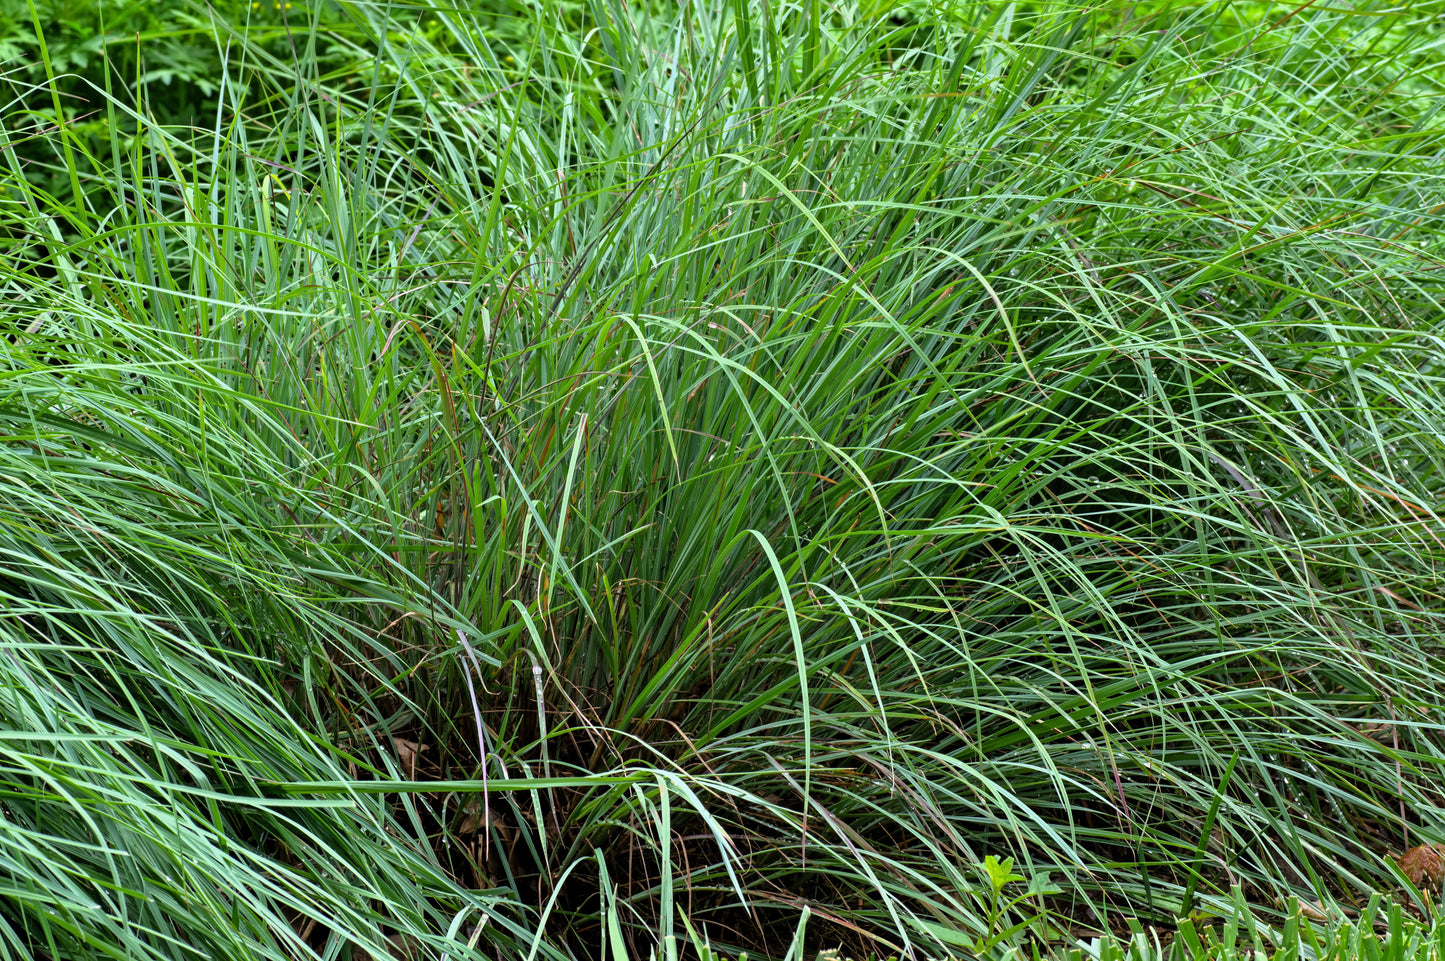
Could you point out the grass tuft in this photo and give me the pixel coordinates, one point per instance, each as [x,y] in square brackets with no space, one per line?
[596,479]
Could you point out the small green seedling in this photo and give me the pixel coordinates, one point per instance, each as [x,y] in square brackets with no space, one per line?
[999,875]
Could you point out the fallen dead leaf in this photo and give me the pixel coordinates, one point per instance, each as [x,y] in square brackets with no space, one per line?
[473,820]
[1423,863]
[409,753]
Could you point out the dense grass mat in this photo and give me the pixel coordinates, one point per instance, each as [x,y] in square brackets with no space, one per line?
[580,481]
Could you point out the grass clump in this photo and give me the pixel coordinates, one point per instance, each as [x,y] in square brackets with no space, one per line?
[648,485]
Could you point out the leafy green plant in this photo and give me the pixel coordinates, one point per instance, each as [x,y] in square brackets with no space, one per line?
[1378,932]
[999,875]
